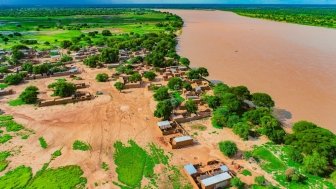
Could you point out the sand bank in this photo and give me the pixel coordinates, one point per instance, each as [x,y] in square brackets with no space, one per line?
[295,64]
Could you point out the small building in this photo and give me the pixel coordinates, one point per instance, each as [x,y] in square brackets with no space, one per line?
[164,125]
[216,182]
[181,141]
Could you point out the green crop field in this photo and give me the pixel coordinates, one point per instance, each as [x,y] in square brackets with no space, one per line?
[67,24]
[274,159]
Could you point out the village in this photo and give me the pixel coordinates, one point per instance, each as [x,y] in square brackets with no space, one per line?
[212,174]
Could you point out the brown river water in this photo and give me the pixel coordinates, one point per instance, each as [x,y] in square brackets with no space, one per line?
[295,64]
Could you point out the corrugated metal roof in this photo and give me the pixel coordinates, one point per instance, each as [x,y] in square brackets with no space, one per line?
[224,168]
[190,169]
[216,179]
[163,123]
[182,138]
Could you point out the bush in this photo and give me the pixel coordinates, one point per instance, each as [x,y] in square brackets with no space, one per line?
[135,78]
[62,88]
[106,33]
[315,164]
[80,145]
[91,61]
[43,143]
[66,44]
[13,79]
[303,125]
[102,77]
[191,106]
[220,89]
[29,95]
[185,61]
[228,148]
[66,58]
[236,182]
[109,55]
[260,180]
[119,86]
[149,75]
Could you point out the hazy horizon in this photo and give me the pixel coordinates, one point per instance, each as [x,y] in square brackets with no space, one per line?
[163,2]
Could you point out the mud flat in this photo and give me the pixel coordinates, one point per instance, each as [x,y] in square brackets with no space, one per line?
[295,64]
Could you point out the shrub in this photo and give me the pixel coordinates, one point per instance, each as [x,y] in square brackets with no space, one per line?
[242,129]
[303,125]
[246,172]
[29,95]
[63,88]
[66,58]
[106,33]
[191,106]
[236,182]
[80,145]
[135,77]
[149,75]
[228,148]
[105,166]
[43,143]
[91,61]
[102,77]
[260,180]
[109,55]
[13,79]
[119,86]
[56,154]
[262,100]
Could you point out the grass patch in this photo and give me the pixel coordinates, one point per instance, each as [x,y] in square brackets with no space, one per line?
[274,160]
[56,154]
[16,178]
[3,160]
[10,125]
[246,172]
[80,145]
[43,143]
[16,102]
[3,85]
[199,127]
[5,138]
[134,163]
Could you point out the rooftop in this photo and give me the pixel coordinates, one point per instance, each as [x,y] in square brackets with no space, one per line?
[163,123]
[216,179]
[183,138]
[190,169]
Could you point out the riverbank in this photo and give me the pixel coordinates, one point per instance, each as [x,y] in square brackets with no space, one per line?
[295,64]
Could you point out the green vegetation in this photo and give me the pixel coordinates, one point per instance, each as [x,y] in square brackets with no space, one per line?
[3,162]
[134,163]
[228,148]
[274,159]
[62,88]
[163,109]
[119,86]
[161,94]
[191,106]
[43,143]
[246,172]
[13,79]
[28,96]
[10,125]
[325,17]
[102,77]
[5,138]
[104,166]
[56,154]
[16,178]
[175,83]
[80,145]
[149,75]
[3,85]
[236,182]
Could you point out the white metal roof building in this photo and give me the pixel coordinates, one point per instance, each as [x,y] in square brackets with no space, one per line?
[182,139]
[190,169]
[216,180]
[164,124]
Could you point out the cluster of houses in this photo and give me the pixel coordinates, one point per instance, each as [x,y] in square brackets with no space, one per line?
[209,175]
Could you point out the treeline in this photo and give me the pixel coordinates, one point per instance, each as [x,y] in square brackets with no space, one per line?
[325,17]
[40,12]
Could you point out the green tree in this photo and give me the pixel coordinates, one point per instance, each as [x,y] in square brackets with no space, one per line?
[254,116]
[241,92]
[161,94]
[119,86]
[191,106]
[4,69]
[66,44]
[260,180]
[17,55]
[102,77]
[149,75]
[303,125]
[175,83]
[230,101]
[109,55]
[28,67]
[220,89]
[212,101]
[193,74]
[63,88]
[13,79]
[29,95]
[91,61]
[106,33]
[163,109]
[315,164]
[220,116]
[242,129]
[262,100]
[185,61]
[187,86]
[228,148]
[135,77]
[203,71]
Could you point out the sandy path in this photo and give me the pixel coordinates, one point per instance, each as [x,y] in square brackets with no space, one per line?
[295,64]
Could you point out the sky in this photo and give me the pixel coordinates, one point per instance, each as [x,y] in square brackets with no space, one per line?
[83,2]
